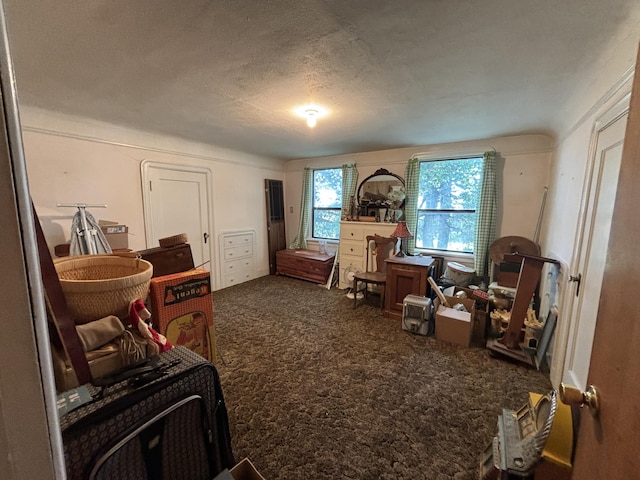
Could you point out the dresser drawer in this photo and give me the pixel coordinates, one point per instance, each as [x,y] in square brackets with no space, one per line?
[238,277]
[348,261]
[233,266]
[232,253]
[351,232]
[237,240]
[352,248]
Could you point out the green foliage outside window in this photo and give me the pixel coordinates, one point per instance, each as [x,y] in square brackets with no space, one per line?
[327,203]
[447,198]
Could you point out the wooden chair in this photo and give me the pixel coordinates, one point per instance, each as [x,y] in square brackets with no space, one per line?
[378,249]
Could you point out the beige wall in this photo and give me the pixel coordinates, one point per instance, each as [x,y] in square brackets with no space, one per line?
[524,163]
[72,160]
[606,80]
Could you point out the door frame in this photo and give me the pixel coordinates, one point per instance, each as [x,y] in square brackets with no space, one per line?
[271,248]
[145,167]
[616,107]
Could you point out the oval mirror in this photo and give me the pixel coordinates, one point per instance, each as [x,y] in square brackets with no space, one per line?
[381,195]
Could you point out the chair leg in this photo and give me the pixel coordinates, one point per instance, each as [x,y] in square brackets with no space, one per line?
[382,298]
[355,293]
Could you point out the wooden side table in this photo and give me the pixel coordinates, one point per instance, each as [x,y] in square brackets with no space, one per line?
[405,276]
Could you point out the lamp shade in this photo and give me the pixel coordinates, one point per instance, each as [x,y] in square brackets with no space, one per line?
[402,231]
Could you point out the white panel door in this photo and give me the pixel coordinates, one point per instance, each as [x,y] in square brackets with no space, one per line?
[177,201]
[593,251]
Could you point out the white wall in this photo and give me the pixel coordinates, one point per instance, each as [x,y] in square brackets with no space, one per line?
[524,163]
[72,160]
[604,83]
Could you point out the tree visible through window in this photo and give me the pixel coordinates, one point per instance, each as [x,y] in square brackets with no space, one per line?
[327,203]
[447,197]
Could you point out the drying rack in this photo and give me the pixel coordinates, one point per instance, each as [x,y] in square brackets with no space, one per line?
[88,235]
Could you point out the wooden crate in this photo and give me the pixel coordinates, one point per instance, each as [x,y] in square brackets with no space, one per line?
[304,264]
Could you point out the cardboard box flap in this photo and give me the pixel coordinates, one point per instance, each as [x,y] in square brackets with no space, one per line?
[245,470]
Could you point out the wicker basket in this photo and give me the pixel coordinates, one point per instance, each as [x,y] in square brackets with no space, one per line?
[167,242]
[99,285]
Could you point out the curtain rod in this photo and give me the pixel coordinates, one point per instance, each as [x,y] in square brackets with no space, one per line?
[444,155]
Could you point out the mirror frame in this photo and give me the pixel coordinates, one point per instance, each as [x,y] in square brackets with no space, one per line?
[381,172]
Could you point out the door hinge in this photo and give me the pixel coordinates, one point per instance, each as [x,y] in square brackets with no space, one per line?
[206,237]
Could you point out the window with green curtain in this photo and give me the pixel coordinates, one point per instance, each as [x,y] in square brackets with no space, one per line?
[327,203]
[451,205]
[323,202]
[448,195]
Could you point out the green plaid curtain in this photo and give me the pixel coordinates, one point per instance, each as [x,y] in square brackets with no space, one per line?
[349,182]
[305,206]
[411,185]
[485,215]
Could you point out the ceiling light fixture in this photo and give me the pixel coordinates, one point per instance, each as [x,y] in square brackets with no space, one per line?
[311,117]
[311,113]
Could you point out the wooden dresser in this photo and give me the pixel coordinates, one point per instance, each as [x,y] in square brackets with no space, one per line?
[353,245]
[304,264]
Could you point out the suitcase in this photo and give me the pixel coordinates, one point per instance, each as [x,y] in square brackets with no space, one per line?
[142,427]
[167,260]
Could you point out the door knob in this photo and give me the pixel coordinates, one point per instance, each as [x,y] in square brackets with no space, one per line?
[574,396]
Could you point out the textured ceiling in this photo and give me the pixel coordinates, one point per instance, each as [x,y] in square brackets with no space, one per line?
[229,72]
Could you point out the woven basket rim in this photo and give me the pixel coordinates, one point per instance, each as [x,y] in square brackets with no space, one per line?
[90,285]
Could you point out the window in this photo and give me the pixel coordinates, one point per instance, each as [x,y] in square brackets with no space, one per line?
[447,197]
[327,203]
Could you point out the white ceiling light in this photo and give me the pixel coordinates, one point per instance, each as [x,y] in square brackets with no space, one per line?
[311,117]
[311,113]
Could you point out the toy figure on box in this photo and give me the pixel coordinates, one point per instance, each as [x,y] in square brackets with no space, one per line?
[138,314]
[191,331]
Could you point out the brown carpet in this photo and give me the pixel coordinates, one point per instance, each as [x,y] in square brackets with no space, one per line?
[318,390]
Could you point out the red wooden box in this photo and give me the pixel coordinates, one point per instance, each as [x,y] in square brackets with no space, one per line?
[182,310]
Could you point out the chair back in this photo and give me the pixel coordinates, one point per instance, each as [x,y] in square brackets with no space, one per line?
[378,249]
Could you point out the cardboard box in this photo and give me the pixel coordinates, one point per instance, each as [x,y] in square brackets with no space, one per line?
[244,470]
[117,235]
[480,325]
[454,326]
[182,310]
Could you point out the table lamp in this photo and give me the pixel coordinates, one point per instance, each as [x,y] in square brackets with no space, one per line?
[401,232]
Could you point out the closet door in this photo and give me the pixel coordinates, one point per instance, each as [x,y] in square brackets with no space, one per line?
[177,200]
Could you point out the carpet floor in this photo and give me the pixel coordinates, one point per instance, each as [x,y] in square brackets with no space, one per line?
[316,389]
